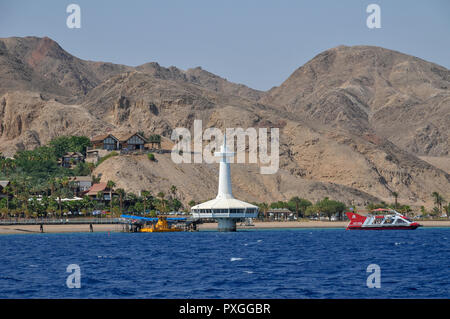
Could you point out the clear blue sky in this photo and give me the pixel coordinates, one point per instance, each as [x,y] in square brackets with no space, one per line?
[255,42]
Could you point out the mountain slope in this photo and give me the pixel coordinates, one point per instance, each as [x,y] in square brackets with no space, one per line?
[373,90]
[202,78]
[352,120]
[40,64]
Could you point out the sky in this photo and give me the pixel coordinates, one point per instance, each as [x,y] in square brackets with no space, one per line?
[258,43]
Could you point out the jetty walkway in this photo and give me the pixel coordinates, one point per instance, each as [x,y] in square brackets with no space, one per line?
[130,223]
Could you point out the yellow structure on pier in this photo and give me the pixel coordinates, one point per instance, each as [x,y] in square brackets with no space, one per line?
[160,227]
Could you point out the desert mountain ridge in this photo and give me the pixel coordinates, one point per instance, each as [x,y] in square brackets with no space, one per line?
[354,121]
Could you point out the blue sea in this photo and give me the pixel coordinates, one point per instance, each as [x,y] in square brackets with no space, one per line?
[285,263]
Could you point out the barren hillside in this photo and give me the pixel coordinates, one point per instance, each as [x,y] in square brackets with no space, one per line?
[352,121]
[199,181]
[371,89]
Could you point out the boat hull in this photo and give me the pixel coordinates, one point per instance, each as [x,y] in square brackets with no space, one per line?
[394,221]
[150,230]
[385,228]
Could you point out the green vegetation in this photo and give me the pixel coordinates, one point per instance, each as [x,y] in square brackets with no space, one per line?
[104,158]
[295,204]
[395,194]
[438,201]
[155,139]
[438,210]
[302,207]
[40,165]
[299,206]
[327,207]
[22,203]
[151,157]
[83,169]
[110,185]
[142,133]
[192,203]
[64,144]
[404,209]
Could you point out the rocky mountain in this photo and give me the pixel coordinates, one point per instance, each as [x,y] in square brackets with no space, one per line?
[41,65]
[352,121]
[202,78]
[373,90]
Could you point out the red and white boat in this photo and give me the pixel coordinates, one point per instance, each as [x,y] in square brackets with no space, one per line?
[380,219]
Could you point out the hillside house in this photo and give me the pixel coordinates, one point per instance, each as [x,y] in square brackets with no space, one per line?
[92,156]
[109,142]
[81,184]
[105,142]
[71,159]
[96,189]
[132,142]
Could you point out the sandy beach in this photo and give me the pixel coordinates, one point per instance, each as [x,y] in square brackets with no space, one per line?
[30,229]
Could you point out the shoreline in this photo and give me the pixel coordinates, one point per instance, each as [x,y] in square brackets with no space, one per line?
[51,229]
[314,224]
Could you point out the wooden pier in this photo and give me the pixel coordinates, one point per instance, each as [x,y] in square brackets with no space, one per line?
[128,225]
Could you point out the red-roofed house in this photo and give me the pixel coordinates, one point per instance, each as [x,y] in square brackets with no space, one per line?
[100,187]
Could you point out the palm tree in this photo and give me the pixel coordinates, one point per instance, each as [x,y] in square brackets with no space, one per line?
[297,201]
[7,164]
[395,194]
[161,195]
[173,190]
[447,210]
[438,201]
[7,192]
[100,201]
[122,194]
[58,192]
[95,179]
[51,208]
[442,200]
[65,182]
[131,198]
[191,203]
[91,167]
[50,186]
[3,164]
[21,188]
[264,207]
[86,204]
[62,189]
[15,187]
[145,196]
[110,185]
[99,195]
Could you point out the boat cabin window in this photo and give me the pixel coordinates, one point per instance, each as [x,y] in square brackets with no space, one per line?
[400,221]
[378,220]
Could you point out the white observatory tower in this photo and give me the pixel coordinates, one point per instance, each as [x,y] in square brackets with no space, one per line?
[225,208]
